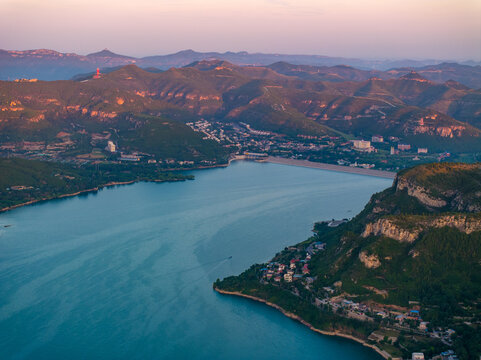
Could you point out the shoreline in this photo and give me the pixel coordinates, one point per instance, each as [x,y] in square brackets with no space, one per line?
[331,167]
[8,208]
[110,184]
[270,159]
[382,353]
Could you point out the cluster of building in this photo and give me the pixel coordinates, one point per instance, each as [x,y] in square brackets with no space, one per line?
[210,131]
[104,148]
[238,138]
[296,269]
[243,137]
[366,145]
[445,355]
[38,149]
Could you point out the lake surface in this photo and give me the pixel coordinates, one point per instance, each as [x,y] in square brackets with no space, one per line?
[127,273]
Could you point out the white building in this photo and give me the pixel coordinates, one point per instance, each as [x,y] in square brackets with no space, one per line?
[129,157]
[362,145]
[111,147]
[417,356]
[422,150]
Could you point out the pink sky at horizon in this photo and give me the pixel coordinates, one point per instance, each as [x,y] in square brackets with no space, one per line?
[416,29]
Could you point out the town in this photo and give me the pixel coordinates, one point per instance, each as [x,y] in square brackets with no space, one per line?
[376,152]
[291,271]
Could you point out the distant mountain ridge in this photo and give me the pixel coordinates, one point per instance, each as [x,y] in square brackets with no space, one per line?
[407,107]
[47,64]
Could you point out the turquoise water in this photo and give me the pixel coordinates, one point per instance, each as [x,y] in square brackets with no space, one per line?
[127,273]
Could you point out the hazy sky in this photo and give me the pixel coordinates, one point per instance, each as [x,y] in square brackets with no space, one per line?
[442,29]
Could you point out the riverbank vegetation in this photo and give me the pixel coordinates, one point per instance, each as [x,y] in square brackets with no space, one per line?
[24,181]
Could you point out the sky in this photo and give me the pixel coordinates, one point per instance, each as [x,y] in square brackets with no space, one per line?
[372,29]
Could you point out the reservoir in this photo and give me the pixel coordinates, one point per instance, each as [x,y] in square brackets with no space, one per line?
[127,273]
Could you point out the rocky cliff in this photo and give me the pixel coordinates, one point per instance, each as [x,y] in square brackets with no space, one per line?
[408,228]
[448,187]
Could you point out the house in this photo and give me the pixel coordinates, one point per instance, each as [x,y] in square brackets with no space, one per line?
[33,145]
[403,147]
[111,146]
[320,245]
[377,139]
[328,289]
[417,356]
[20,187]
[423,326]
[414,313]
[336,223]
[127,157]
[448,355]
[305,269]
[422,150]
[288,277]
[8,146]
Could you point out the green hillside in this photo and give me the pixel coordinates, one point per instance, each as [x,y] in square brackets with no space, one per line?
[23,181]
[415,245]
[410,108]
[167,139]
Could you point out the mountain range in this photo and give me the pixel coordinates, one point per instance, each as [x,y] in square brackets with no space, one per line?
[446,115]
[52,65]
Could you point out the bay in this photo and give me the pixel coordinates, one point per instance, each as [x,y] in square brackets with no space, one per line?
[126,273]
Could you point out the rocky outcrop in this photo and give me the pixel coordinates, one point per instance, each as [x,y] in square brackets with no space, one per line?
[442,131]
[369,261]
[408,229]
[419,193]
[438,197]
[386,227]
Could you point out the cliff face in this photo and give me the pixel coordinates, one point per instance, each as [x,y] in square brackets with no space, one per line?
[409,244]
[448,187]
[419,193]
[407,229]
[387,228]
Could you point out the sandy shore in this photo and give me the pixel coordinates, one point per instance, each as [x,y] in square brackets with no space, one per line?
[323,166]
[384,354]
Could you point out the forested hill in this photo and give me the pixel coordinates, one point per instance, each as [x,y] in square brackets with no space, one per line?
[416,245]
[24,181]
[439,116]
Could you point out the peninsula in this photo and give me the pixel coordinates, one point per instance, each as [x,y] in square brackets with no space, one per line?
[401,277]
